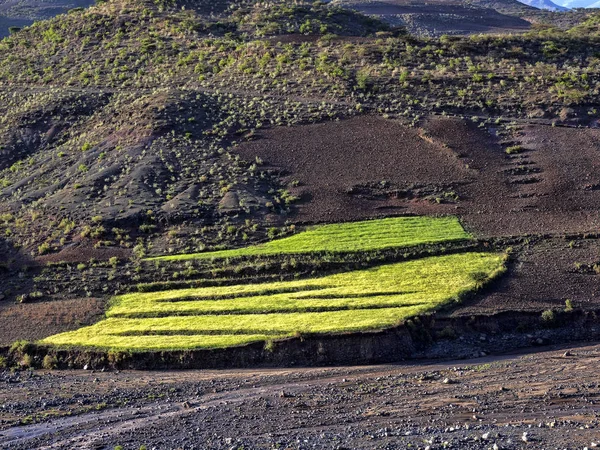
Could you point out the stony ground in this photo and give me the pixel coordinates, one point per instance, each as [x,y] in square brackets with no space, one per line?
[548,400]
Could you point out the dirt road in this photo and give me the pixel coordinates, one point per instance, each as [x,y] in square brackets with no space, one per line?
[515,401]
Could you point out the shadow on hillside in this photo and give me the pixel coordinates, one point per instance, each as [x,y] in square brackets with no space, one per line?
[12,259]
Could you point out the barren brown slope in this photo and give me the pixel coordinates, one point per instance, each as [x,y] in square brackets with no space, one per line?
[337,162]
[550,186]
[370,166]
[543,276]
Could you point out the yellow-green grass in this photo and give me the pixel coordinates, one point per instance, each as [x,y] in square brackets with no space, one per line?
[349,237]
[216,317]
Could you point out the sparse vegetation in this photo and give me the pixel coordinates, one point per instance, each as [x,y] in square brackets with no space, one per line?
[514,149]
[217,83]
[121,125]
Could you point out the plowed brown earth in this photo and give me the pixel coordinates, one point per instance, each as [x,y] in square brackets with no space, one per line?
[33,321]
[508,402]
[552,187]
[81,253]
[543,277]
[330,158]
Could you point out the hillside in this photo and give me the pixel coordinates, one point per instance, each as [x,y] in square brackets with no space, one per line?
[133,129]
[240,184]
[544,4]
[443,17]
[121,125]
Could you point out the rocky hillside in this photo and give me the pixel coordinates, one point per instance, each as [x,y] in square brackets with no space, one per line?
[119,123]
[441,17]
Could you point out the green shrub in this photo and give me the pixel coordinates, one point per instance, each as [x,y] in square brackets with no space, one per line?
[568,305]
[26,361]
[50,362]
[513,150]
[19,347]
[269,346]
[447,333]
[548,317]
[43,248]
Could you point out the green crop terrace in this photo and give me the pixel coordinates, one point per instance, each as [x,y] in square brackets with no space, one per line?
[214,317]
[349,237]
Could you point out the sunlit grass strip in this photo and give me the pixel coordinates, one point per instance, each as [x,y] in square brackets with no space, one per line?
[350,237]
[210,331]
[362,300]
[423,281]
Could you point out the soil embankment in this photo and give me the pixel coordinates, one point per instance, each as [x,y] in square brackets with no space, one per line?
[426,337]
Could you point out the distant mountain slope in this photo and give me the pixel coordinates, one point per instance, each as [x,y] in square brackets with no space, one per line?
[7,22]
[579,3]
[435,18]
[544,4]
[19,13]
[510,7]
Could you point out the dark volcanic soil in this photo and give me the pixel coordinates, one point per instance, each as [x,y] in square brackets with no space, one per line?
[329,159]
[549,188]
[512,402]
[33,321]
[553,186]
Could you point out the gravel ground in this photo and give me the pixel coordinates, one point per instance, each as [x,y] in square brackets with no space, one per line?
[548,400]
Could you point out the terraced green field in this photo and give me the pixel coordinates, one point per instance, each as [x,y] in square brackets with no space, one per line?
[216,317]
[349,237]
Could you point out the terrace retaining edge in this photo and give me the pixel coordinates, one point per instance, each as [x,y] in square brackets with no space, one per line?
[424,337]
